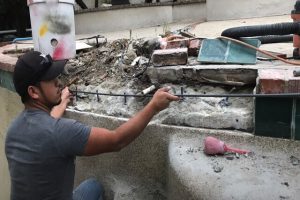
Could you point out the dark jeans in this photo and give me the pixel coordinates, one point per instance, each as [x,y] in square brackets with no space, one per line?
[89,189]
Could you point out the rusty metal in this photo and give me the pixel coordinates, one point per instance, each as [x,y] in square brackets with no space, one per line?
[125,99]
[98,99]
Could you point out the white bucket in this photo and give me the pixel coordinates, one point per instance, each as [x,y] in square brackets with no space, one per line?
[53,27]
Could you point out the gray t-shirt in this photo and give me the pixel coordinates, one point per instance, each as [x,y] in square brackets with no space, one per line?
[41,152]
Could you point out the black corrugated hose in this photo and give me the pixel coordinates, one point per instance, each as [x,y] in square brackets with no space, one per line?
[270,29]
[280,32]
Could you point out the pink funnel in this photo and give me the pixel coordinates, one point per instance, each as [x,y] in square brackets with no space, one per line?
[213,146]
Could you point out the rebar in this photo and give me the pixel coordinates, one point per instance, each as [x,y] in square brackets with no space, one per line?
[281,95]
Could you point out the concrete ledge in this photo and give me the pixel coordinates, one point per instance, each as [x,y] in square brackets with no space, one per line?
[167,162]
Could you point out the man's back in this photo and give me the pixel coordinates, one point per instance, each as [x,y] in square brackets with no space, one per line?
[40,151]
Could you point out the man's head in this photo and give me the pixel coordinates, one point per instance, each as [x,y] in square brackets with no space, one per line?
[35,77]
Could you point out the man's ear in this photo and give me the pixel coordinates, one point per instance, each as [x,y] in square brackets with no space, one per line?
[33,92]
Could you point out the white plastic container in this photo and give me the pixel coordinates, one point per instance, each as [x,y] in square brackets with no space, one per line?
[53,27]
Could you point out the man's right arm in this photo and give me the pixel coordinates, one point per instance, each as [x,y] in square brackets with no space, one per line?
[103,140]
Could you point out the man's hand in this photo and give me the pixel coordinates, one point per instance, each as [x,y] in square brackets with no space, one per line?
[66,97]
[161,99]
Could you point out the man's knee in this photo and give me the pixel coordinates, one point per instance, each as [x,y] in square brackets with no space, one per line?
[94,184]
[89,189]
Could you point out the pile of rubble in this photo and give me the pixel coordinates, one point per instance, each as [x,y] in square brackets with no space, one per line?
[111,61]
[119,67]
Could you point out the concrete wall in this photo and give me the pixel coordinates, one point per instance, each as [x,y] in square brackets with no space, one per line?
[233,9]
[126,18]
[195,12]
[10,107]
[122,19]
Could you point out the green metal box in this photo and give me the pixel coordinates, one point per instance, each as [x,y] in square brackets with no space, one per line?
[277,117]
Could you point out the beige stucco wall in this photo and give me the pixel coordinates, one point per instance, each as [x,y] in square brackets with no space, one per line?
[233,9]
[10,106]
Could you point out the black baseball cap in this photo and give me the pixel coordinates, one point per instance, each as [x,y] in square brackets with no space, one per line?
[33,67]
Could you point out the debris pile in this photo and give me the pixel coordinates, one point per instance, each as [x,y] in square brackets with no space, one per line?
[119,67]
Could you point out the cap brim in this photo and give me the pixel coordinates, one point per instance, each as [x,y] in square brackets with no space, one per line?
[55,70]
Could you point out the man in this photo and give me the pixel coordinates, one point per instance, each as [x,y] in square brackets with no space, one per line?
[41,146]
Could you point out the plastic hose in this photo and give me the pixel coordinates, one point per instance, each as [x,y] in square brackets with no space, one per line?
[271,29]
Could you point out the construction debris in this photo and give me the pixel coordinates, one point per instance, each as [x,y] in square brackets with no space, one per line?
[123,66]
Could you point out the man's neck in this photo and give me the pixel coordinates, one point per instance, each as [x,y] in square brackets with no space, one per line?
[37,105]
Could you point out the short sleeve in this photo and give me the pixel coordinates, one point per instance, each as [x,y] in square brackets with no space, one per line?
[71,136]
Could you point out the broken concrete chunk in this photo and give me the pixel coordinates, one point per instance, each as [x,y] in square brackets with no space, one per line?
[170,57]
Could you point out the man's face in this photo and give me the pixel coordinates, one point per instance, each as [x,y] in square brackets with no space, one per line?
[50,92]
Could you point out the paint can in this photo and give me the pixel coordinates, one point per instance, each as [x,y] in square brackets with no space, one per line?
[53,27]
